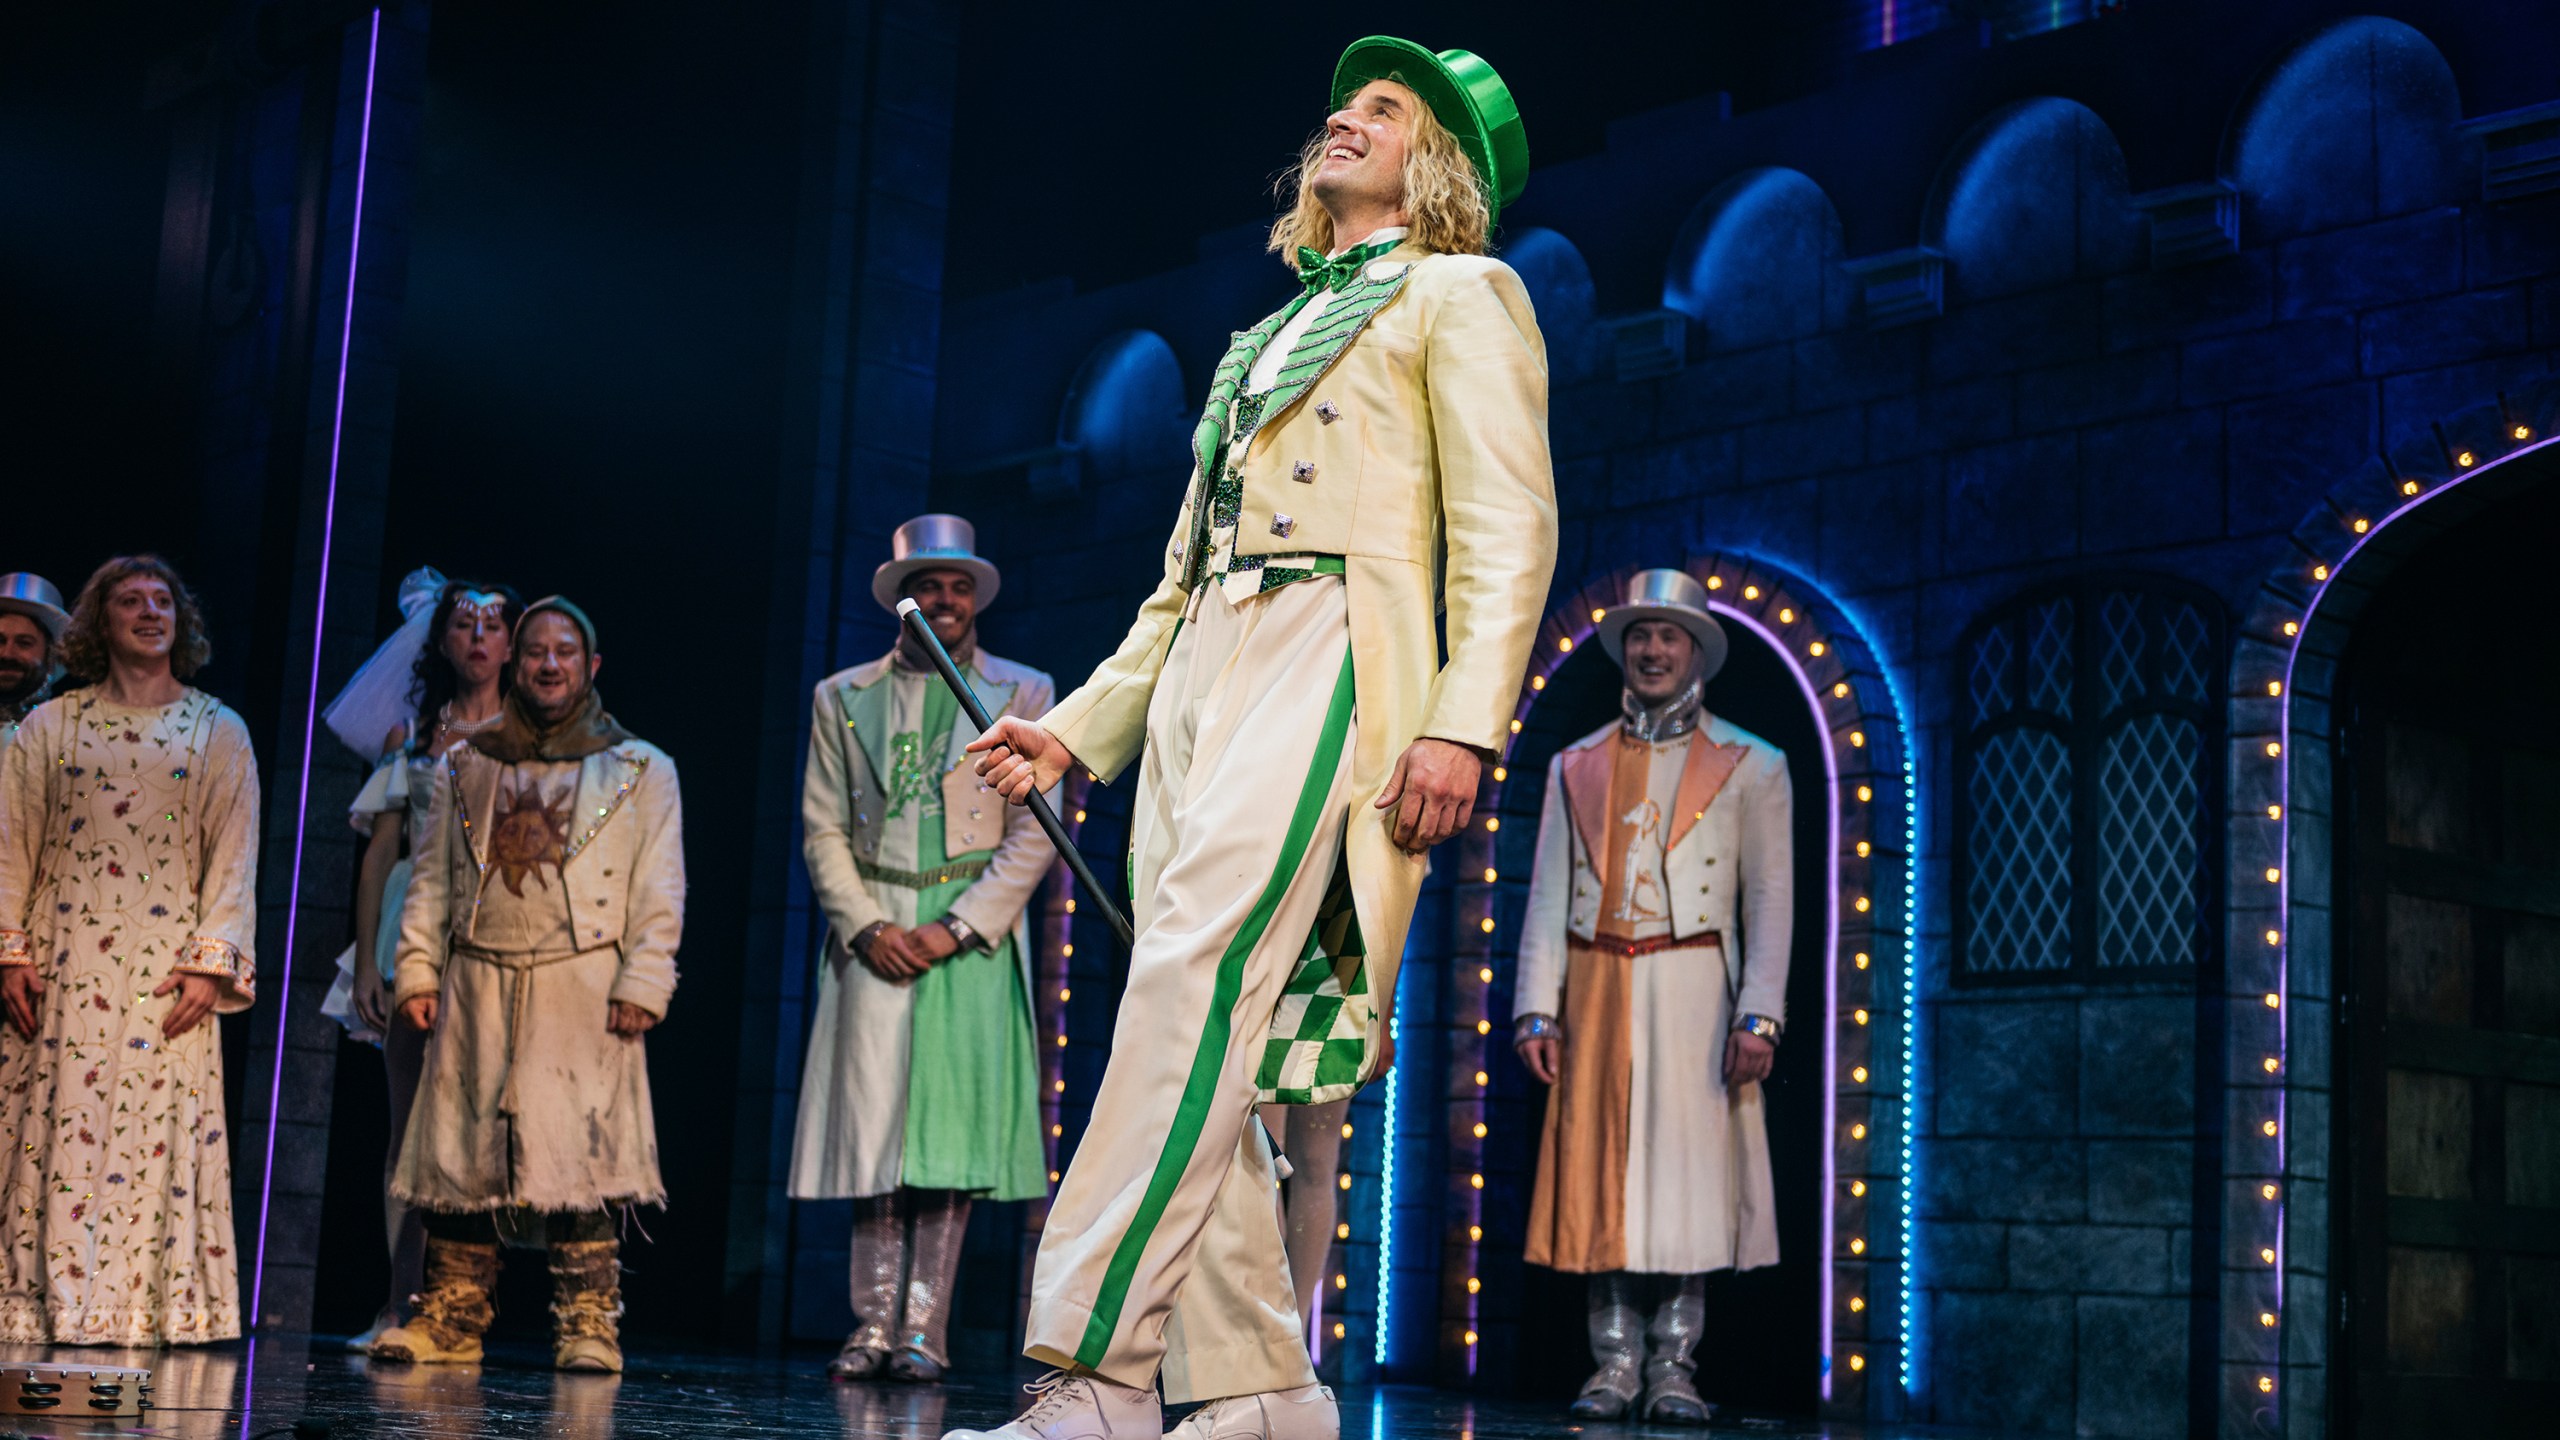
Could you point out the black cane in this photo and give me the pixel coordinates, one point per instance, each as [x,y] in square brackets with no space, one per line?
[912,616]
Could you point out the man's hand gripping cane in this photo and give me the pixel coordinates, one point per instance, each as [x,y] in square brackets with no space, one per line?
[1017,757]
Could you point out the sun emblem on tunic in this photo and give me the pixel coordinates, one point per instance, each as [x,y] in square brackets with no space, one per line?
[530,832]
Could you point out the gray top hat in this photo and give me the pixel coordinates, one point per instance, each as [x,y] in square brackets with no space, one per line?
[1673,595]
[34,597]
[933,542]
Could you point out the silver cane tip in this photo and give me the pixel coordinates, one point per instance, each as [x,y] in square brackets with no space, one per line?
[907,606]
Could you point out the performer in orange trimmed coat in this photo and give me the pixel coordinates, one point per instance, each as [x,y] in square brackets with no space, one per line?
[1653,982]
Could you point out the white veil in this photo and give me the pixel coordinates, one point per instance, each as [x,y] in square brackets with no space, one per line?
[377,698]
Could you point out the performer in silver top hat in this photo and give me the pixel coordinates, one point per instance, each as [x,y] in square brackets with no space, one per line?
[1653,976]
[1677,597]
[921,1087]
[32,619]
[933,542]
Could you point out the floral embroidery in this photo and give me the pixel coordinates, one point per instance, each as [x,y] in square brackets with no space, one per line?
[103,1099]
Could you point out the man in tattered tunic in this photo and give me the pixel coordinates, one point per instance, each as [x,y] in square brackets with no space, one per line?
[537,945]
[1664,833]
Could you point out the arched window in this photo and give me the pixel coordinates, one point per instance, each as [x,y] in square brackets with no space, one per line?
[2088,765]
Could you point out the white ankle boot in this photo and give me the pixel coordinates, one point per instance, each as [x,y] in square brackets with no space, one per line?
[1079,1407]
[1306,1413]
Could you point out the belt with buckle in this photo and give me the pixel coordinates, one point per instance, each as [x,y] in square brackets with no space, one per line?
[919,879]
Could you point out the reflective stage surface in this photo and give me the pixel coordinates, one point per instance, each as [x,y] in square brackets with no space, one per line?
[200,1394]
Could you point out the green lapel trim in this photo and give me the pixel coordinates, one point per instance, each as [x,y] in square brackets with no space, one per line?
[1209,437]
[1325,341]
[866,713]
[1209,1061]
[997,698]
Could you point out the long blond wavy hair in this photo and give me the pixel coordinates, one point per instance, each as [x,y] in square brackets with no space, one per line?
[1442,192]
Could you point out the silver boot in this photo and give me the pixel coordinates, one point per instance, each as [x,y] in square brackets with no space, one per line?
[879,1272]
[1617,1342]
[941,1224]
[1670,1394]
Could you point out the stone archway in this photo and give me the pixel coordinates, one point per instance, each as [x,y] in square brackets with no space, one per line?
[1866,1038]
[2280,955]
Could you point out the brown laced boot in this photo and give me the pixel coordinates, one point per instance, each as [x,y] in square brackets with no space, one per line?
[586,1304]
[449,1316]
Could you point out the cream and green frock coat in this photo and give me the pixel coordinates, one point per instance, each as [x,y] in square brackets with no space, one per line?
[932,1082]
[1417,452]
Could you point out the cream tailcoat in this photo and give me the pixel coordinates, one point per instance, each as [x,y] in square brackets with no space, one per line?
[538,1103]
[1420,456]
[850,1139]
[1697,1187]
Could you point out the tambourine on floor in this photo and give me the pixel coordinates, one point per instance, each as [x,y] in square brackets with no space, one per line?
[76,1390]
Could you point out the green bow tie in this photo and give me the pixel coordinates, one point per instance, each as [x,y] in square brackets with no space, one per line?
[1319,274]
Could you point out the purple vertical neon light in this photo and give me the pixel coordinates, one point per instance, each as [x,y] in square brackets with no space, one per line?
[311,696]
[1830,970]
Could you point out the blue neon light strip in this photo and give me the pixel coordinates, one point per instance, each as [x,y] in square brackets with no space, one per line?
[1910,996]
[1387,1197]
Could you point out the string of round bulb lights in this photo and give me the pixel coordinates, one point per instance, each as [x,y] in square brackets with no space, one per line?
[1057,947]
[1867,1106]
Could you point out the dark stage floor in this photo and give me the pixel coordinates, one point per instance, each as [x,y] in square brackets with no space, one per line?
[201,1393]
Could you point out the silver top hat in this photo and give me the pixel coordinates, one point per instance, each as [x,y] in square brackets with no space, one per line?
[34,597]
[1673,595]
[933,542]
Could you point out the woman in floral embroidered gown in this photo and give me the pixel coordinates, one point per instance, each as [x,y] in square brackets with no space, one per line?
[128,888]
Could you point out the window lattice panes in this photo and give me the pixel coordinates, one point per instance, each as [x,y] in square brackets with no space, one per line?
[2086,767]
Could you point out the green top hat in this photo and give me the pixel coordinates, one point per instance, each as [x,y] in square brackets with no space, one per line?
[1460,89]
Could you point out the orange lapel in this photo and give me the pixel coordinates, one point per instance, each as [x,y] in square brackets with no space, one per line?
[1585,775]
[1709,766]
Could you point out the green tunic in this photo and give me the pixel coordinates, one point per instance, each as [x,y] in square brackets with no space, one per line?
[973,1087]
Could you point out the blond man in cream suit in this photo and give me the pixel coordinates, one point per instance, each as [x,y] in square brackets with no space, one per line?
[1372,454]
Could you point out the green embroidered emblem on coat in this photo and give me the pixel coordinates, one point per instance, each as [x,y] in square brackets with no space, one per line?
[910,777]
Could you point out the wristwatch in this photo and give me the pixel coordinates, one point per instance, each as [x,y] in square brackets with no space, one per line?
[1760,1025]
[860,945]
[962,933]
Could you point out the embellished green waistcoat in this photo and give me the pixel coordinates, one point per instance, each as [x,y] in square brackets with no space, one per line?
[1231,419]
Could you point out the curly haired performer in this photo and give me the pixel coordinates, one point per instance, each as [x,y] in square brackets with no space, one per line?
[128,920]
[1372,453]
